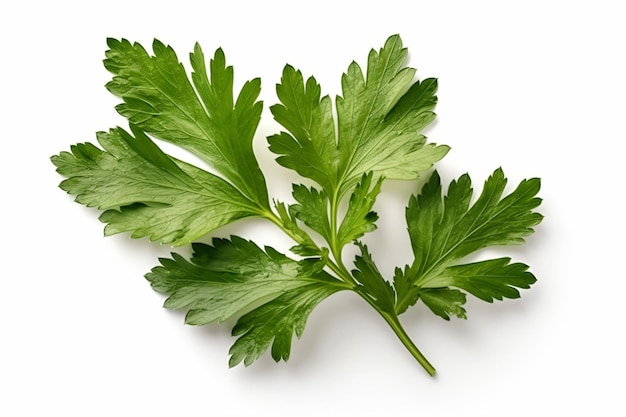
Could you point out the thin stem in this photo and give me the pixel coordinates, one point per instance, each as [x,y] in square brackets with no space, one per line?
[342,272]
[396,326]
[334,215]
[408,343]
[338,269]
[335,249]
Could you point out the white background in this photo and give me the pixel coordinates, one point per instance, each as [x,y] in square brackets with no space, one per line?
[536,87]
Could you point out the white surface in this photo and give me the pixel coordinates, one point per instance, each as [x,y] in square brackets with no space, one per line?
[536,87]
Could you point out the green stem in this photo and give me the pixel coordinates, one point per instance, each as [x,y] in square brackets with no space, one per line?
[408,343]
[396,326]
[337,268]
[334,215]
[342,272]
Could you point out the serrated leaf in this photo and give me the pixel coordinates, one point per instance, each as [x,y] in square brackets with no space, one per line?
[372,281]
[311,148]
[208,121]
[379,120]
[443,231]
[382,114]
[312,209]
[444,302]
[146,192]
[488,280]
[407,293]
[360,218]
[275,323]
[235,276]
[225,279]
[307,247]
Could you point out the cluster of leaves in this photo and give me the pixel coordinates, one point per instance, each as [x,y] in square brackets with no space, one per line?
[346,149]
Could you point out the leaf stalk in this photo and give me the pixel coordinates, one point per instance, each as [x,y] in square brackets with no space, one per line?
[338,267]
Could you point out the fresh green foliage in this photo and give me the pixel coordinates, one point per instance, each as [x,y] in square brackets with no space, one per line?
[444,231]
[231,276]
[208,121]
[146,192]
[380,117]
[348,147]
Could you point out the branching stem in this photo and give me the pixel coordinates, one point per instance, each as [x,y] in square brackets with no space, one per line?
[337,266]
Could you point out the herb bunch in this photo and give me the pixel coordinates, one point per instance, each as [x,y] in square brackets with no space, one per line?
[347,148]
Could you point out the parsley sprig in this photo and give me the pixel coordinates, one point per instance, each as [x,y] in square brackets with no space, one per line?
[371,133]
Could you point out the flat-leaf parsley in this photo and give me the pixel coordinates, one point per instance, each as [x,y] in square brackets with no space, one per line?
[345,149]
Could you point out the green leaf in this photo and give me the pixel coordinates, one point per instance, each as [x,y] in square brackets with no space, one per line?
[380,117]
[146,192]
[275,323]
[444,302]
[311,148]
[443,231]
[489,280]
[407,293]
[208,121]
[312,209]
[372,281]
[230,276]
[235,276]
[359,218]
[307,246]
